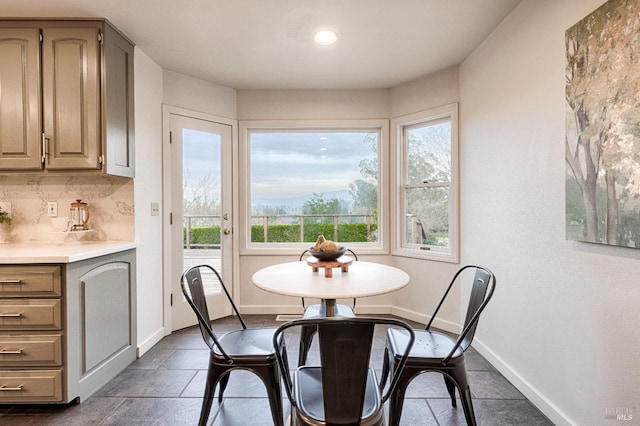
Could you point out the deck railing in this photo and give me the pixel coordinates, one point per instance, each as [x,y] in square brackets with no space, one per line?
[266,220]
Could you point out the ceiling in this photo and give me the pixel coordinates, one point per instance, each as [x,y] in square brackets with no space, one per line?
[268,44]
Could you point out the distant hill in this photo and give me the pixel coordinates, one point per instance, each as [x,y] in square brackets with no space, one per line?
[296,203]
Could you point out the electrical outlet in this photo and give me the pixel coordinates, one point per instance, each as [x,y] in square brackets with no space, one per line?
[155,209]
[52,209]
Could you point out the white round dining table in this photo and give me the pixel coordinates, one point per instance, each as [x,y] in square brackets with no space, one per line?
[362,279]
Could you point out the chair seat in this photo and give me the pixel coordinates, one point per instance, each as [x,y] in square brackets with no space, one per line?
[427,345]
[253,343]
[308,385]
[318,311]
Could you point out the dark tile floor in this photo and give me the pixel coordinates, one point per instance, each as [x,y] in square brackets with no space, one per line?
[165,387]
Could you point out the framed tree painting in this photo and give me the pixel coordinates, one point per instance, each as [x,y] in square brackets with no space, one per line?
[602,138]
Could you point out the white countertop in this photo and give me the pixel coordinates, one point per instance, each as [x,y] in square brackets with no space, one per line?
[62,253]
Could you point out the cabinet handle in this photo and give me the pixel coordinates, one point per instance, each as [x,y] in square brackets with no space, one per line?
[44,148]
[4,388]
[10,281]
[16,315]
[10,352]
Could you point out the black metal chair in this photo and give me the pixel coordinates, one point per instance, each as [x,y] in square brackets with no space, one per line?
[248,349]
[435,351]
[317,310]
[343,389]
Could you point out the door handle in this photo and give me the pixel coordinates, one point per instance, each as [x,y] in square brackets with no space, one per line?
[226,231]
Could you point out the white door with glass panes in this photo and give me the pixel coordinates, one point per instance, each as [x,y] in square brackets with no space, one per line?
[200,186]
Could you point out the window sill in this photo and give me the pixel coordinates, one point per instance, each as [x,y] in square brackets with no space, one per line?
[427,255]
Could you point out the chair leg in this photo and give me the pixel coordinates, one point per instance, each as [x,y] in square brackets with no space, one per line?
[306,338]
[396,400]
[384,375]
[451,387]
[213,376]
[459,377]
[224,381]
[467,405]
[270,376]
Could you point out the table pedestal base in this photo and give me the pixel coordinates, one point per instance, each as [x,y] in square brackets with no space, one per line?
[329,307]
[328,265]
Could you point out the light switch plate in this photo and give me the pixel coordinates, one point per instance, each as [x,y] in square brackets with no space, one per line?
[155,209]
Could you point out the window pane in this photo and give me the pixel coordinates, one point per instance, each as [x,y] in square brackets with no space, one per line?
[429,152]
[306,183]
[427,216]
[201,173]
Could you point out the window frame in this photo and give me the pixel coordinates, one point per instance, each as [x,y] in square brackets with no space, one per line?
[246,247]
[400,184]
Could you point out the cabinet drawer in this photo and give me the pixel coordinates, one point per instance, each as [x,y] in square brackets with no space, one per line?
[27,350]
[30,314]
[30,281]
[30,386]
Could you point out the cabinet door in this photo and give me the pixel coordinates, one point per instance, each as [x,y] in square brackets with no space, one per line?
[118,103]
[20,127]
[71,97]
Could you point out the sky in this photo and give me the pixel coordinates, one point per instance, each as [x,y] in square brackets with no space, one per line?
[286,164]
[302,163]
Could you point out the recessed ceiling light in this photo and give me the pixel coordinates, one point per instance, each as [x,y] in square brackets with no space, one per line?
[325,37]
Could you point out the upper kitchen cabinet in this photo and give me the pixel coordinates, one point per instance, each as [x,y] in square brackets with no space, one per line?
[66,97]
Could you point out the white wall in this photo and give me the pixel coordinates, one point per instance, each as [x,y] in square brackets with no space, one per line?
[563,323]
[148,189]
[199,95]
[431,91]
[312,104]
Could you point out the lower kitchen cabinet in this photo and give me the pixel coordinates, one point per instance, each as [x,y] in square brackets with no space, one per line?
[66,330]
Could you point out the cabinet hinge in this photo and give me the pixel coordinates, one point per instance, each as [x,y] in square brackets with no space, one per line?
[170,218]
[41,37]
[100,38]
[170,138]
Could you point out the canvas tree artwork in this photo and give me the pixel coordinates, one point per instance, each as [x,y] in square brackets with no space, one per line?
[602,139]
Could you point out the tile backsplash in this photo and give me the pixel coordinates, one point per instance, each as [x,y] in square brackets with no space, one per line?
[109,198]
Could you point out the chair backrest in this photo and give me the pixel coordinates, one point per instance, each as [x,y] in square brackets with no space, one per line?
[482,288]
[345,349]
[193,290]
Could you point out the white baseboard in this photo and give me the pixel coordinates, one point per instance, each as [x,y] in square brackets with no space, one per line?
[557,416]
[143,347]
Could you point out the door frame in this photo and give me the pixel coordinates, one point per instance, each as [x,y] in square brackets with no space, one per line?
[167,269]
